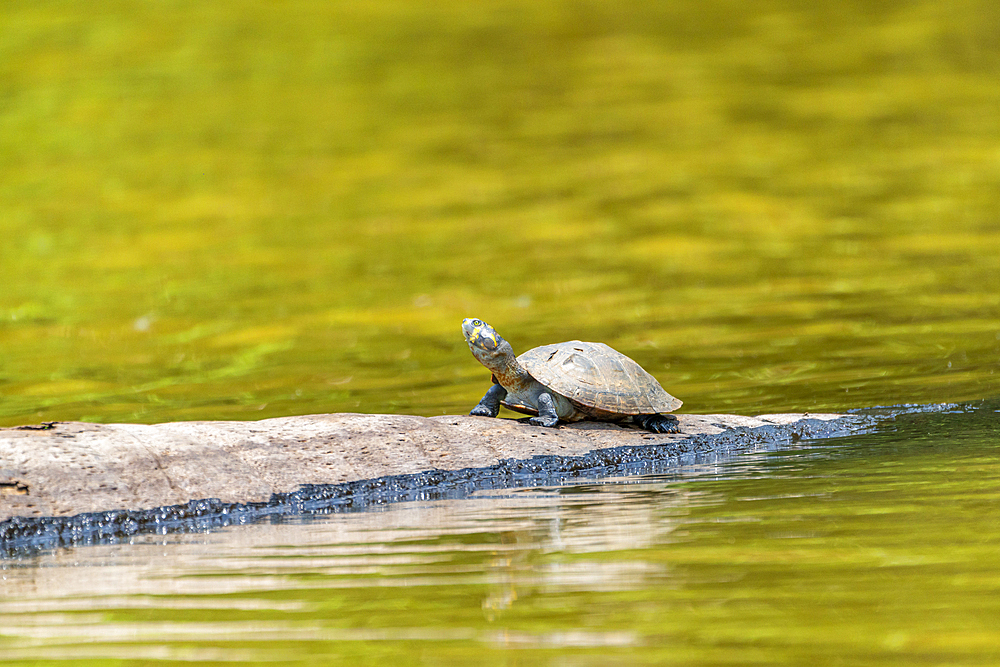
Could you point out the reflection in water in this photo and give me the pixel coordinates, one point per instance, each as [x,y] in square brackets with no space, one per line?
[494,544]
[405,542]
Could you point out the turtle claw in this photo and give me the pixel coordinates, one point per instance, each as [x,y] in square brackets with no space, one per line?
[658,423]
[482,411]
[543,421]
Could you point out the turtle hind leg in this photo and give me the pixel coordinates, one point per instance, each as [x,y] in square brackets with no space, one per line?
[489,404]
[546,411]
[658,423]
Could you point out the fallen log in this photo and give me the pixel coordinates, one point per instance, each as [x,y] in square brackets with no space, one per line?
[69,468]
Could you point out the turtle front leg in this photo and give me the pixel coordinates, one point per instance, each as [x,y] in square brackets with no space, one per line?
[489,404]
[546,411]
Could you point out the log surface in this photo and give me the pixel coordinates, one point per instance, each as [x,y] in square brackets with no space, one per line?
[70,468]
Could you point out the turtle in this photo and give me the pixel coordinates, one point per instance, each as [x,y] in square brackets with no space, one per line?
[568,382]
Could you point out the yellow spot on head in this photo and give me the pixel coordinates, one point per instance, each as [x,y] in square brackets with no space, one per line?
[479,334]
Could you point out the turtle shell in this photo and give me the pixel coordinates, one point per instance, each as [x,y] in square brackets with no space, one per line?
[598,378]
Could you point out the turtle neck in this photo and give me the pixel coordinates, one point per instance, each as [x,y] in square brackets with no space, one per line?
[507,371]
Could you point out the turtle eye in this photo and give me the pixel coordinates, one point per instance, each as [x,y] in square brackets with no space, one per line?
[477,323]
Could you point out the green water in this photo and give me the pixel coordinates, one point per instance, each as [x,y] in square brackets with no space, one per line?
[215,211]
[873,550]
[247,210]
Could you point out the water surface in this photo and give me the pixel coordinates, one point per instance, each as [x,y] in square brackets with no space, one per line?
[218,212]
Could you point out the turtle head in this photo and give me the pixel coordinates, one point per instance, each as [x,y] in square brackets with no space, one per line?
[486,344]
